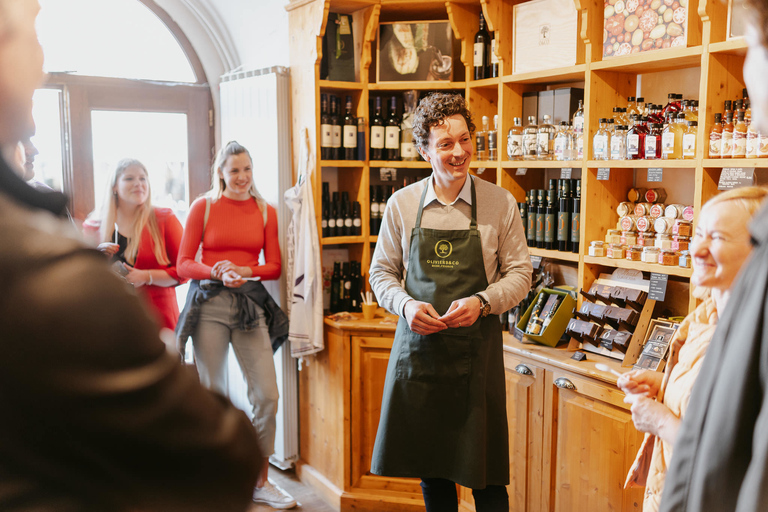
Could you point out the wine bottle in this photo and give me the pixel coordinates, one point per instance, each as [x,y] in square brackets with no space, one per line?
[564,217]
[392,132]
[346,280]
[550,221]
[533,214]
[326,214]
[482,50]
[335,129]
[348,222]
[326,135]
[357,221]
[576,216]
[535,321]
[349,132]
[481,141]
[354,288]
[336,288]
[541,217]
[375,220]
[378,132]
[493,138]
[494,58]
[407,148]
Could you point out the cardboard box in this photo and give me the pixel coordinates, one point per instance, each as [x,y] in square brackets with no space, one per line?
[545,35]
[625,32]
[338,61]
[557,326]
[566,103]
[416,51]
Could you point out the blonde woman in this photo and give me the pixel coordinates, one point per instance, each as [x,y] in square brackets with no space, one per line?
[226,303]
[143,239]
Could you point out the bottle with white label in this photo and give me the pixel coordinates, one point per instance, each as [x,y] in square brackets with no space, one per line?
[349,132]
[335,129]
[619,143]
[515,140]
[325,129]
[689,140]
[545,141]
[530,136]
[578,130]
[408,151]
[561,142]
[600,142]
[740,136]
[493,153]
[392,133]
[494,58]
[377,132]
[482,51]
[753,140]
[481,141]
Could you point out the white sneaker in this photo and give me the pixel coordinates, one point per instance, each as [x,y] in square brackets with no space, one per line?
[273,496]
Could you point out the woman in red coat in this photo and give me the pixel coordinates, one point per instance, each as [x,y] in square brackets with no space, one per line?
[143,241]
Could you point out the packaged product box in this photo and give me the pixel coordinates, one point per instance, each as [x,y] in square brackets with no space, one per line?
[633,26]
[545,35]
[559,322]
[338,62]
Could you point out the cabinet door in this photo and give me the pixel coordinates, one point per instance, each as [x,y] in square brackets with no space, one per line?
[595,445]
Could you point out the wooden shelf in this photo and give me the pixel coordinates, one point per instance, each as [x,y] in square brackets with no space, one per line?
[341,163]
[554,255]
[548,76]
[341,240]
[490,83]
[638,265]
[475,164]
[346,86]
[734,162]
[420,86]
[736,46]
[643,164]
[420,164]
[657,60]
[541,164]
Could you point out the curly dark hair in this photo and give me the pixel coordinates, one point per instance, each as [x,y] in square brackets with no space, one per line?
[433,110]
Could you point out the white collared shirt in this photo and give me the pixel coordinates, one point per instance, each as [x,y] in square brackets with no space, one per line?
[465,193]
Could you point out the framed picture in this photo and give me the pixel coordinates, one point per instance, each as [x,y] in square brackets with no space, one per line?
[415,51]
[656,346]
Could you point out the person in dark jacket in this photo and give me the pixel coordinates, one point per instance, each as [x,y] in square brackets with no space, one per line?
[721,452]
[97,413]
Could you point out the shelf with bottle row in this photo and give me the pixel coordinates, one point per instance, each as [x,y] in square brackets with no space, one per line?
[484,83]
[647,62]
[400,164]
[341,163]
[554,255]
[541,164]
[548,76]
[341,86]
[643,164]
[419,86]
[639,265]
[734,162]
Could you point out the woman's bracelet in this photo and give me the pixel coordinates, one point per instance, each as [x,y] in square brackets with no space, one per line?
[150,277]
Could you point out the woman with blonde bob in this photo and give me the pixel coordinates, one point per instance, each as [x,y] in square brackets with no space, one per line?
[142,240]
[226,303]
[720,247]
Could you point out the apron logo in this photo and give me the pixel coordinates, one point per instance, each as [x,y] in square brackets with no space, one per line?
[443,248]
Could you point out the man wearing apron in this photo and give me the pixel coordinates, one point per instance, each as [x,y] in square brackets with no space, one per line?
[443,413]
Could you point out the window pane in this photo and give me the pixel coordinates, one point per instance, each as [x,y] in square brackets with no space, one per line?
[47,139]
[118,38]
[156,139]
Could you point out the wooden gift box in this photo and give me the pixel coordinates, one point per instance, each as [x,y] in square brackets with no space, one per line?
[545,35]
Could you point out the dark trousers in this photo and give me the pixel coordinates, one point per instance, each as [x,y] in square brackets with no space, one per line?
[440,496]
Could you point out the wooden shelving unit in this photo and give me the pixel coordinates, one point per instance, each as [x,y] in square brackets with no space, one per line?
[709,69]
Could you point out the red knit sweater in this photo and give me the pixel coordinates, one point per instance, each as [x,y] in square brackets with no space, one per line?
[235,232]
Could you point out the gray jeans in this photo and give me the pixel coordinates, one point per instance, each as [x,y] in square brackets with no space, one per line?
[216,329]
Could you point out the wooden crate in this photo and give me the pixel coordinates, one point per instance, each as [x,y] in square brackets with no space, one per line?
[545,35]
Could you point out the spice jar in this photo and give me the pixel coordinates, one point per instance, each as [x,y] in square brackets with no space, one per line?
[663,225]
[668,257]
[685,259]
[644,224]
[628,238]
[682,228]
[596,248]
[663,241]
[674,211]
[615,251]
[650,254]
[635,253]
[688,213]
[613,236]
[655,195]
[627,223]
[643,209]
[657,210]
[646,239]
[636,194]
[625,209]
[681,243]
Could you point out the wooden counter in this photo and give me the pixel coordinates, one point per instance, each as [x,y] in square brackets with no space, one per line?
[571,435]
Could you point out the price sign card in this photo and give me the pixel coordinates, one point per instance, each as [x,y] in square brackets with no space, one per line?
[658,288]
[565,173]
[655,173]
[735,177]
[604,174]
[536,261]
[522,171]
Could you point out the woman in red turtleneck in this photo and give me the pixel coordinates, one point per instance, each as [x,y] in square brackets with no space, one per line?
[240,225]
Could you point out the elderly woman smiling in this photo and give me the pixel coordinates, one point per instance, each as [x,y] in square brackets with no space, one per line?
[721,245]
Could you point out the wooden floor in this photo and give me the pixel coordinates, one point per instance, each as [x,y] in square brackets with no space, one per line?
[304,495]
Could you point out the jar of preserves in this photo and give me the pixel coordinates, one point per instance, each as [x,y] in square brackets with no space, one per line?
[644,224]
[682,228]
[625,209]
[674,211]
[596,248]
[668,257]
[657,210]
[650,254]
[627,223]
[613,236]
[629,238]
[688,213]
[655,195]
[646,239]
[663,241]
[681,243]
[663,225]
[635,253]
[643,209]
[615,251]
[685,259]
[636,194]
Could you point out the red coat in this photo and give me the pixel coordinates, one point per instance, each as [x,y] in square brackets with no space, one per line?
[162,299]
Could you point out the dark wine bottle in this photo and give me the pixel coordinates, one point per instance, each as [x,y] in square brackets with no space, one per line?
[357,221]
[336,288]
[361,138]
[540,218]
[326,214]
[348,222]
[564,217]
[354,289]
[345,288]
[494,58]
[335,129]
[326,135]
[482,51]
[378,133]
[392,132]
[533,214]
[576,217]
[349,134]
[375,217]
[550,221]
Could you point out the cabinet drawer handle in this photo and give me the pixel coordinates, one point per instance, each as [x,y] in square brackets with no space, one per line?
[523,370]
[564,383]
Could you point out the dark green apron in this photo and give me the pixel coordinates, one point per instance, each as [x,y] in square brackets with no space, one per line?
[443,412]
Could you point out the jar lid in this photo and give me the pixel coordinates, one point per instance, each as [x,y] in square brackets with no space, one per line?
[650,248]
[616,246]
[669,251]
[614,231]
[596,243]
[685,253]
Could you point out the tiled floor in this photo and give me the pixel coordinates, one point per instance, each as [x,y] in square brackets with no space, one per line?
[307,499]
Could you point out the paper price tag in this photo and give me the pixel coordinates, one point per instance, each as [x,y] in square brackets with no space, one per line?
[658,288]
[565,173]
[536,261]
[655,174]
[735,177]
[522,171]
[604,174]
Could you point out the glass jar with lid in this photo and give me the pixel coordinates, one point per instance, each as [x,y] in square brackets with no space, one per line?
[615,251]
[629,238]
[597,248]
[635,253]
[650,254]
[685,259]
[681,243]
[663,241]
[682,228]
[613,236]
[669,257]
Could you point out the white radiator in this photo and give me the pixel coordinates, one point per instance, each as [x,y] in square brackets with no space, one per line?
[255,111]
